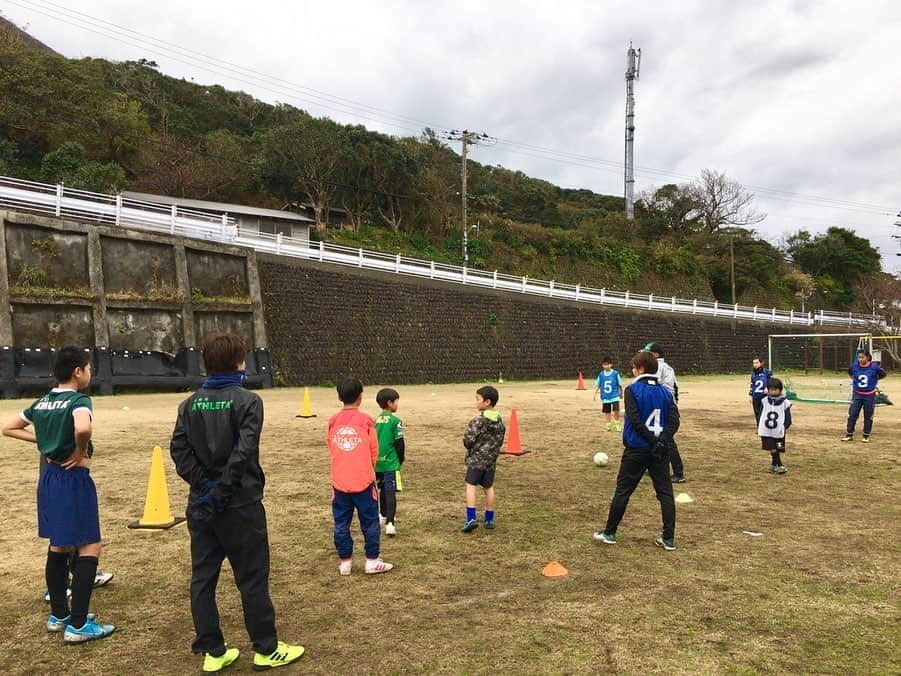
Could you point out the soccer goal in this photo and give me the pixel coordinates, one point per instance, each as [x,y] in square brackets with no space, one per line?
[814,366]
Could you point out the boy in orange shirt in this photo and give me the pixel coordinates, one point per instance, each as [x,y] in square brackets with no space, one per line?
[354,449]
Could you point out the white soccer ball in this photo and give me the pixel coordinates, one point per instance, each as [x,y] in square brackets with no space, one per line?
[601,459]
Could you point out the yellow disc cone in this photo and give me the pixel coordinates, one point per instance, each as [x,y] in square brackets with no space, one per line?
[157,513]
[306,410]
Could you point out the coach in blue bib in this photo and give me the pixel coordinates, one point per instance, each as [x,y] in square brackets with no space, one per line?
[651,421]
[864,376]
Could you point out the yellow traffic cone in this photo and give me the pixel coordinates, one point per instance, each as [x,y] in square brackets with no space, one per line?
[306,410]
[156,507]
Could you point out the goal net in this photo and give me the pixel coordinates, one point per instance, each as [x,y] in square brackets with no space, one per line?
[814,366]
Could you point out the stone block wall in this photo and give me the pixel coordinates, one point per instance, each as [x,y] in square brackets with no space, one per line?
[324,323]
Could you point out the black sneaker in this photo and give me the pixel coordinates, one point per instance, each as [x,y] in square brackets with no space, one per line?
[668,544]
[678,478]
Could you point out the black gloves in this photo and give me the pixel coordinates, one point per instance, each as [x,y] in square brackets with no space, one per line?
[211,502]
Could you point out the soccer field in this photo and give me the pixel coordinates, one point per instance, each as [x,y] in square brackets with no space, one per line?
[818,591]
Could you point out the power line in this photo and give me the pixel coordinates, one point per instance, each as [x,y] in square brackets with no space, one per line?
[362,111]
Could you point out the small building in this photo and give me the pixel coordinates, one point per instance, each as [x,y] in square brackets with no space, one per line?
[248,219]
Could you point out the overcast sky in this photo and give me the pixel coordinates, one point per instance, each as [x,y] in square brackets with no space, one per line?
[798,97]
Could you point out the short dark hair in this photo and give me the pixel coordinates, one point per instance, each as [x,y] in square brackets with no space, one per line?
[866,352]
[774,383]
[488,393]
[386,395]
[222,352]
[67,360]
[645,361]
[606,360]
[349,390]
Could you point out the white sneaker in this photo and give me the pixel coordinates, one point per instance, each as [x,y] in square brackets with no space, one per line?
[383,519]
[345,566]
[390,529]
[101,578]
[376,566]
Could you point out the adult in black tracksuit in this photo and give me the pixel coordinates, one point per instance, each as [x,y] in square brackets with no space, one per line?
[651,420]
[215,447]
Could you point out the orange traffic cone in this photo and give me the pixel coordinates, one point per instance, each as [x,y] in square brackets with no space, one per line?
[514,445]
[554,569]
[581,384]
[306,409]
[156,507]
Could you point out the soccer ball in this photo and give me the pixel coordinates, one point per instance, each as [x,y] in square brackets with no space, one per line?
[601,459]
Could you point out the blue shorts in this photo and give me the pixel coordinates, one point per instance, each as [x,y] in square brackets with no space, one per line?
[386,481]
[67,507]
[480,477]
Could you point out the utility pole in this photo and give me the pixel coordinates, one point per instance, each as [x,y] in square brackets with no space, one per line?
[467,138]
[633,64]
[732,264]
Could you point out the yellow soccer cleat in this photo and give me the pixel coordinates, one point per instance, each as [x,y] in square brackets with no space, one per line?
[283,655]
[211,663]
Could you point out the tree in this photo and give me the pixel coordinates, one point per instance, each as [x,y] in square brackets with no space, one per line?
[670,208]
[837,260]
[67,164]
[723,202]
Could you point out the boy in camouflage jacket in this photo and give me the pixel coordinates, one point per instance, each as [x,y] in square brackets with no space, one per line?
[483,440]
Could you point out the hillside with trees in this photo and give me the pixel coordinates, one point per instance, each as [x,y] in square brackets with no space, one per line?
[105,126]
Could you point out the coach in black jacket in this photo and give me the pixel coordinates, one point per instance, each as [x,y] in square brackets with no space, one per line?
[215,447]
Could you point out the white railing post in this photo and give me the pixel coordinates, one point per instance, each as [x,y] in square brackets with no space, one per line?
[650,301]
[755,313]
[463,277]
[223,228]
[550,288]
[791,316]
[809,320]
[673,305]
[278,243]
[716,305]
[735,310]
[523,284]
[774,315]
[626,304]
[603,291]
[59,198]
[360,258]
[431,269]
[397,264]
[694,306]
[577,291]
[173,214]
[118,209]
[494,280]
[321,249]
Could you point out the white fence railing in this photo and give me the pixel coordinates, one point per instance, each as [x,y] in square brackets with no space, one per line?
[18,194]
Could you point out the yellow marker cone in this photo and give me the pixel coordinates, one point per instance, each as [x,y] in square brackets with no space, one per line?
[306,410]
[156,507]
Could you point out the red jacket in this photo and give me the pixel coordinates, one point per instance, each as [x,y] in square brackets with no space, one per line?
[354,448]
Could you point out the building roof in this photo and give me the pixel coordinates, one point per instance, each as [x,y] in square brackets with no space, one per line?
[219,207]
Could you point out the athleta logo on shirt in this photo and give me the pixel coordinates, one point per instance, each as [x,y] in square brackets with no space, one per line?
[204,404]
[51,405]
[346,439]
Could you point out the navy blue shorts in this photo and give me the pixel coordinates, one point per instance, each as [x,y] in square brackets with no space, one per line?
[67,507]
[386,481]
[480,477]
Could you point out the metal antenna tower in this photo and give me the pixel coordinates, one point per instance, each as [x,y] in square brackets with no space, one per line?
[633,64]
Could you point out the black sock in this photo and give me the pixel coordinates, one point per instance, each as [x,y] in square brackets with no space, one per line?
[777,460]
[82,586]
[390,506]
[57,575]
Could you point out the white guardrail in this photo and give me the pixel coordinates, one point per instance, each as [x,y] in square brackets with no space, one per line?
[21,195]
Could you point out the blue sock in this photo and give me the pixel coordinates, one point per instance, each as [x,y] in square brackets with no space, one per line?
[470,513]
[489,515]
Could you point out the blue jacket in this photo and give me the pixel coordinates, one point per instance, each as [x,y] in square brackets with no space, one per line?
[651,413]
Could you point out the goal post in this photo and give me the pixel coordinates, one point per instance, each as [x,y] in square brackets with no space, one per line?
[814,365]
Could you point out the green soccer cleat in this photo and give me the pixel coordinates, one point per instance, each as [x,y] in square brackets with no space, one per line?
[212,663]
[283,655]
[606,538]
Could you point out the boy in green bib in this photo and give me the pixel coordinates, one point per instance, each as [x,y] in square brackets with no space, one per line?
[390,432]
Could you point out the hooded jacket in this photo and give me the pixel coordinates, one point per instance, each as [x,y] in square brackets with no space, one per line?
[483,440]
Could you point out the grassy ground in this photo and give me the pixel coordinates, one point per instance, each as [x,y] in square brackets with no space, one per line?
[818,592]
